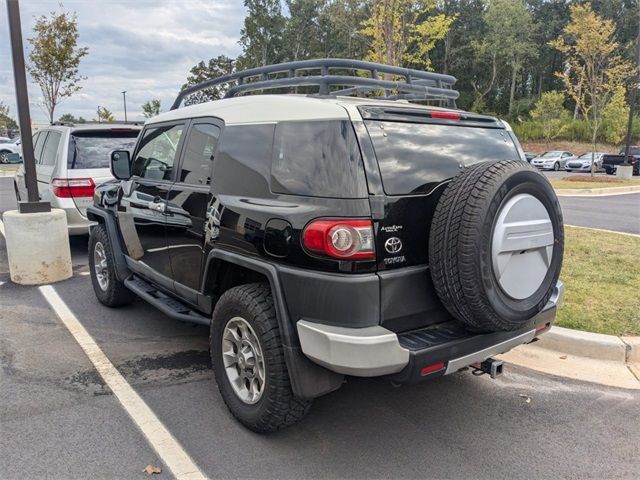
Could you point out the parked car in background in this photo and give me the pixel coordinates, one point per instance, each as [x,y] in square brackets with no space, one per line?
[611,161]
[70,161]
[553,160]
[5,140]
[529,156]
[7,148]
[583,163]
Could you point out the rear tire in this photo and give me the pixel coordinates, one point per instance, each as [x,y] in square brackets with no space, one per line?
[109,290]
[261,406]
[496,245]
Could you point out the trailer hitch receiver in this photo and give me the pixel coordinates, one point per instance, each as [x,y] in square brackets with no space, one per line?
[491,366]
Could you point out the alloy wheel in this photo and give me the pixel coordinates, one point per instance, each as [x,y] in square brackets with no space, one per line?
[100,266]
[243,360]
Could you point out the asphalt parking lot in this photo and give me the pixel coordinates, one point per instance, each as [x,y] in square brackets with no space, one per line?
[59,420]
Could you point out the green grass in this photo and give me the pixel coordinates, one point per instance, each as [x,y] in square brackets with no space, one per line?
[601,272]
[598,182]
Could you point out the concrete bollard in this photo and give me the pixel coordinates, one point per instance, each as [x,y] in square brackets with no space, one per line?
[624,171]
[37,247]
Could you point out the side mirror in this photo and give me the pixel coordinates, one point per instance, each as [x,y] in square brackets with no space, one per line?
[121,164]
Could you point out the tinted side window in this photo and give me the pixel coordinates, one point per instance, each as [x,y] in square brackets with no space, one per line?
[50,151]
[243,162]
[39,145]
[198,154]
[319,159]
[157,152]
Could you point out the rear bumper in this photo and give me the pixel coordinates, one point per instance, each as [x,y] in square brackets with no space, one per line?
[375,351]
[543,167]
[77,224]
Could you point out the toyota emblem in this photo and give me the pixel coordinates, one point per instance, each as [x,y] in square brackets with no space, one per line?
[393,245]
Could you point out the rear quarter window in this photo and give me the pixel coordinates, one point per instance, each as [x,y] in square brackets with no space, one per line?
[243,161]
[416,157]
[318,159]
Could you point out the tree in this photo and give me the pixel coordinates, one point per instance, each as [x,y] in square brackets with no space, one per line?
[614,117]
[550,113]
[302,29]
[104,115]
[404,31]
[261,37]
[594,69]
[339,27]
[69,118]
[511,27]
[151,108]
[55,58]
[6,122]
[215,67]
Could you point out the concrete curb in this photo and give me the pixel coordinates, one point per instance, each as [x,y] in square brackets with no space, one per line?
[596,192]
[592,357]
[584,344]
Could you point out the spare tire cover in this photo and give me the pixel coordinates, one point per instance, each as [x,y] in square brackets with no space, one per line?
[496,245]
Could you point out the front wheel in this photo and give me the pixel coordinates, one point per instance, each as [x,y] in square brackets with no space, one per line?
[4,156]
[556,167]
[108,289]
[248,360]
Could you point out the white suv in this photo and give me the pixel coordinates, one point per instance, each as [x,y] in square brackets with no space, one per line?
[70,161]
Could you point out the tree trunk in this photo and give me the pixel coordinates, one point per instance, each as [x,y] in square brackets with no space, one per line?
[513,87]
[540,79]
[447,42]
[594,135]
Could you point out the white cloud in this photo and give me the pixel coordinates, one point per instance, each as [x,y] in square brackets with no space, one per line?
[145,47]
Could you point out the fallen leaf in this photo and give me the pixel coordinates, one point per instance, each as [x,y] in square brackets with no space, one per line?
[151,469]
[563,357]
[527,399]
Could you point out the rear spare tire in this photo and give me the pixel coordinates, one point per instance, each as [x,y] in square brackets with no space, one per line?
[496,245]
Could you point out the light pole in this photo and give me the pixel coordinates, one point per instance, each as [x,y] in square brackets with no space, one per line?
[124,99]
[33,203]
[37,238]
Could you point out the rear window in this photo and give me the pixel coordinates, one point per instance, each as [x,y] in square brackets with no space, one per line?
[415,157]
[92,149]
[317,159]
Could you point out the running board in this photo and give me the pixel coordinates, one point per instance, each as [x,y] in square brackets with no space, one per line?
[166,304]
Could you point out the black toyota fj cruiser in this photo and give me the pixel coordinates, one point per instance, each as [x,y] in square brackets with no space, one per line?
[327,234]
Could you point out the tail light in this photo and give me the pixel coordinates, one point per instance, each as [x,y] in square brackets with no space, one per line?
[72,187]
[445,115]
[340,238]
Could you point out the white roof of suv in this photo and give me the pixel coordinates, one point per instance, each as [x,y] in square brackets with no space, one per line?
[276,108]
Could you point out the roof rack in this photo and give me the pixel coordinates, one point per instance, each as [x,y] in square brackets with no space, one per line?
[414,84]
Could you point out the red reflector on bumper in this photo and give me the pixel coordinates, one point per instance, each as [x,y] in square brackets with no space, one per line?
[432,368]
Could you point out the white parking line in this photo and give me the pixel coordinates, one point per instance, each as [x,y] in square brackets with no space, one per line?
[603,230]
[2,228]
[165,445]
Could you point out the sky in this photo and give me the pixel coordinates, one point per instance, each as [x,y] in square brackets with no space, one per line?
[145,47]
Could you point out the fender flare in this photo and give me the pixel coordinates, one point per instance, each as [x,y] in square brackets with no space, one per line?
[107,218]
[308,379]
